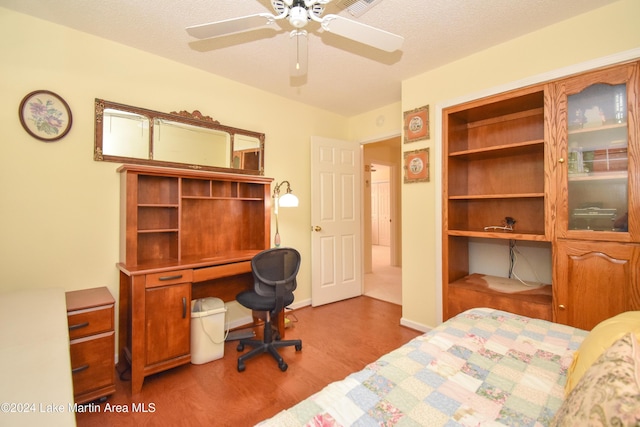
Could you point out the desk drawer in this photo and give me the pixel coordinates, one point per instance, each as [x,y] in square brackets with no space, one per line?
[91,321]
[168,278]
[92,363]
[219,271]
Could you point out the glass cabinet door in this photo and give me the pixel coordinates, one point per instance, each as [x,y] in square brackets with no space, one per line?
[597,158]
[596,155]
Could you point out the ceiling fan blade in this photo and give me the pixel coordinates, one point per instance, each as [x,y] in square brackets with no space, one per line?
[362,33]
[298,53]
[232,26]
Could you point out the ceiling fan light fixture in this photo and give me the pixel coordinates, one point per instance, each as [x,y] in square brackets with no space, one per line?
[298,16]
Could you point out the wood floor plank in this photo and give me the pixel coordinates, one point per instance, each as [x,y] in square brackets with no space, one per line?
[337,339]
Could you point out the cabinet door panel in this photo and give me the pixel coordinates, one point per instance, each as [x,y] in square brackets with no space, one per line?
[595,281]
[168,319]
[597,151]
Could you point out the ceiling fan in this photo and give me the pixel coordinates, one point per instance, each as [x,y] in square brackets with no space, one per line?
[299,13]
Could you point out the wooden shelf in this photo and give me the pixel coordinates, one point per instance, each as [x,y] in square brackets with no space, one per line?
[599,176]
[500,150]
[474,291]
[497,196]
[598,128]
[257,199]
[532,237]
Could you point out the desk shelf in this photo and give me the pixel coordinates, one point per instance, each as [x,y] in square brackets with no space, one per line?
[175,214]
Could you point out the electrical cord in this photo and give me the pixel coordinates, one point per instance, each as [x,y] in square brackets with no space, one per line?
[226,326]
[289,314]
[498,227]
[513,259]
[508,225]
[226,332]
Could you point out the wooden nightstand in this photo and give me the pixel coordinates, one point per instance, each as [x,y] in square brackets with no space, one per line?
[90,314]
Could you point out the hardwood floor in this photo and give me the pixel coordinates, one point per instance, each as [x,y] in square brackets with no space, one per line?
[337,339]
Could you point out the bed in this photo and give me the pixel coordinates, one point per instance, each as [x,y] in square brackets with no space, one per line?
[35,363]
[483,367]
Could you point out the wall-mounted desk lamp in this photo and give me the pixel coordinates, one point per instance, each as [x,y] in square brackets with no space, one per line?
[288,200]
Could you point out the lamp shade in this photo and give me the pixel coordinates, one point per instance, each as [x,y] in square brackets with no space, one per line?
[288,200]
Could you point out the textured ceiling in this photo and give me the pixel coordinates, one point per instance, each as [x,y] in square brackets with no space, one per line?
[344,76]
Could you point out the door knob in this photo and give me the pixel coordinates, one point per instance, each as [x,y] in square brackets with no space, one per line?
[317,228]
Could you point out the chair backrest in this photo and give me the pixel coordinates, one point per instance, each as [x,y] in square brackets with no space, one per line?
[277,266]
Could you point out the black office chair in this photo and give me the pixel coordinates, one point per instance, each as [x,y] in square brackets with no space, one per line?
[274,273]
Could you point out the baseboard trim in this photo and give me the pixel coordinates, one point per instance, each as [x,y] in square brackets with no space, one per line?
[415,325]
[246,321]
[299,304]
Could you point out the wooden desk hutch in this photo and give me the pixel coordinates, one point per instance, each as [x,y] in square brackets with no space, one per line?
[184,235]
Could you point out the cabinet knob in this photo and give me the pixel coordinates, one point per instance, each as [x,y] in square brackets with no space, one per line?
[562,307]
[561,160]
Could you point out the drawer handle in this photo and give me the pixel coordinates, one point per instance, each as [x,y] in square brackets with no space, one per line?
[184,307]
[164,278]
[78,326]
[80,369]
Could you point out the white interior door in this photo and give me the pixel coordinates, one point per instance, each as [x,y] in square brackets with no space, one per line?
[336,243]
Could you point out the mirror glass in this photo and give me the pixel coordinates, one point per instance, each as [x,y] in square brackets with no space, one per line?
[127,134]
[184,143]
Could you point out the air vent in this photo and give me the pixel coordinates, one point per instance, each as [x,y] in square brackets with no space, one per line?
[357,7]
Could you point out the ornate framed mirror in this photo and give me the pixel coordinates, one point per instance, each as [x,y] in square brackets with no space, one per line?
[126,134]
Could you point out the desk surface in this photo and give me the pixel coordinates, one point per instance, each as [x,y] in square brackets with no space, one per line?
[195,263]
[35,365]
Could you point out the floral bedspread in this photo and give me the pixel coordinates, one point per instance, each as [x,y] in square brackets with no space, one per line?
[483,367]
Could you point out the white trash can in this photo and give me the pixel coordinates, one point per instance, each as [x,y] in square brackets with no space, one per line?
[207,330]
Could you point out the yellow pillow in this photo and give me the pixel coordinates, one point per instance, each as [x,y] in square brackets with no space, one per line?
[601,337]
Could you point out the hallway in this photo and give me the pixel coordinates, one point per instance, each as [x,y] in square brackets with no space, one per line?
[385,281]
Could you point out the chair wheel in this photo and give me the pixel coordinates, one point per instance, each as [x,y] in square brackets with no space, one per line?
[241,366]
[298,347]
[240,347]
[283,366]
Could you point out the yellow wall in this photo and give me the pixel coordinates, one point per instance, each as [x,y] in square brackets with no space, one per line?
[597,34]
[376,125]
[59,208]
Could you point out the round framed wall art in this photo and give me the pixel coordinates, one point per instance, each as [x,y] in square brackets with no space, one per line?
[45,115]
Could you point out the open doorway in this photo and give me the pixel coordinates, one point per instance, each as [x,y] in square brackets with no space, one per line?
[382,227]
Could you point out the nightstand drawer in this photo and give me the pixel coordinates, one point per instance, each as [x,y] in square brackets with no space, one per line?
[90,316]
[91,366]
[91,321]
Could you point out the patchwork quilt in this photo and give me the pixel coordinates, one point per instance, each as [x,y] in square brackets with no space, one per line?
[483,367]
